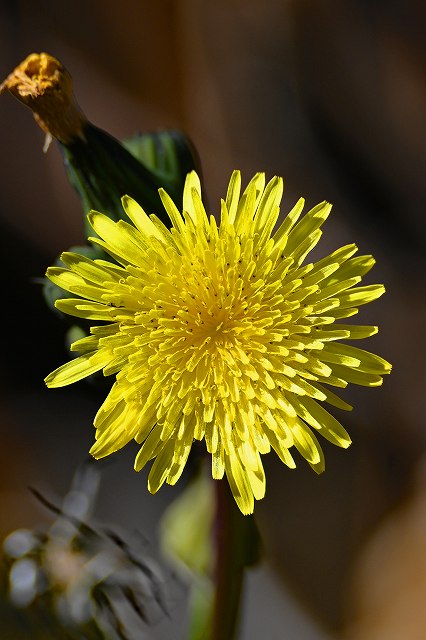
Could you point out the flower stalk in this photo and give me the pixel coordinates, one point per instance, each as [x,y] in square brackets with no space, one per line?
[237,548]
[229,566]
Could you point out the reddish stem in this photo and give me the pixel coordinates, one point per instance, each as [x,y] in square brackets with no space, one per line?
[229,564]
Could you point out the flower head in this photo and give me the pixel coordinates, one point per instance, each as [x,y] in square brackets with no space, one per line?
[43,84]
[219,333]
[80,576]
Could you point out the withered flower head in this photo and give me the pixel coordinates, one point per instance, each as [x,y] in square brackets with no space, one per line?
[43,84]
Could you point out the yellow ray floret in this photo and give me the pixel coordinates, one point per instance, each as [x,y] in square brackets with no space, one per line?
[219,332]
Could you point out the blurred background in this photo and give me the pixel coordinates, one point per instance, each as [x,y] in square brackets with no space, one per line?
[330,95]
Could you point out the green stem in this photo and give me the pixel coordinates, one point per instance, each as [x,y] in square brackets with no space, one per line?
[230,562]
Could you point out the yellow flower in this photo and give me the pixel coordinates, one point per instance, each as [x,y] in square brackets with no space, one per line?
[218,332]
